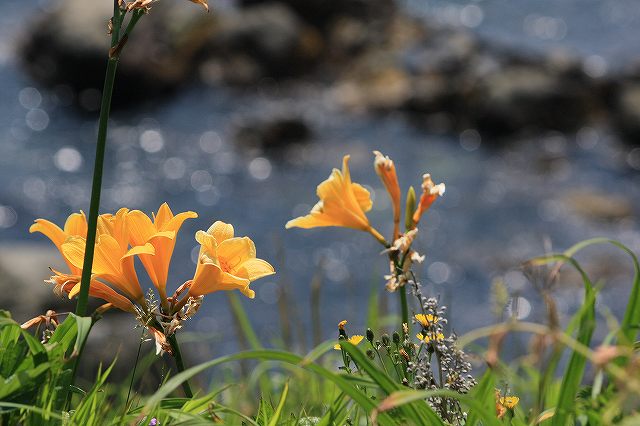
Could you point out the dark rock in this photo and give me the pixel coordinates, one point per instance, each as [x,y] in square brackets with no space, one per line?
[322,13]
[71,48]
[599,206]
[273,133]
[627,110]
[519,97]
[262,41]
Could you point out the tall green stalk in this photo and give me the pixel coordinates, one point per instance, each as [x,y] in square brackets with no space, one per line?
[173,342]
[96,186]
[404,305]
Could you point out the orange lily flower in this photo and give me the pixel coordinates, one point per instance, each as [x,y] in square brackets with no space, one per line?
[74,233]
[342,203]
[113,260]
[161,234]
[226,262]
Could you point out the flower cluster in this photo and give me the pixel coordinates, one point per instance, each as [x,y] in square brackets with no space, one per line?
[443,365]
[225,262]
[345,203]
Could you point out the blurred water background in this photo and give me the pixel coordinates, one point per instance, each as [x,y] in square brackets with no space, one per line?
[504,202]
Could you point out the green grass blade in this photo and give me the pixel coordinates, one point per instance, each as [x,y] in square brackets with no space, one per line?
[400,398]
[44,413]
[418,412]
[483,392]
[585,319]
[631,319]
[243,320]
[272,355]
[278,412]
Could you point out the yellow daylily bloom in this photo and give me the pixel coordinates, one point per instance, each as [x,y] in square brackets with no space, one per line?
[429,337]
[113,260]
[161,234]
[426,320]
[342,203]
[226,262]
[74,233]
[386,170]
[354,340]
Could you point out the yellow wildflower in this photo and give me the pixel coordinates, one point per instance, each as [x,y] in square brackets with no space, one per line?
[354,340]
[504,403]
[161,234]
[386,170]
[342,203]
[341,324]
[68,241]
[226,262]
[509,401]
[113,260]
[429,337]
[430,192]
[426,320]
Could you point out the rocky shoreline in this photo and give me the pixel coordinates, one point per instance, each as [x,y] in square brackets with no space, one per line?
[369,55]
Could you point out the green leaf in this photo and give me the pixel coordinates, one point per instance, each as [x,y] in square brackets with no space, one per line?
[484,393]
[21,381]
[586,320]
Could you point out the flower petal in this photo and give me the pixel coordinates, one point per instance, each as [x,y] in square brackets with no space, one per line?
[234,251]
[176,222]
[210,278]
[76,225]
[140,228]
[50,230]
[252,269]
[163,216]
[221,231]
[363,197]
[104,292]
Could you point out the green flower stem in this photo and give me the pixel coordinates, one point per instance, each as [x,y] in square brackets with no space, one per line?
[173,342]
[404,305]
[96,186]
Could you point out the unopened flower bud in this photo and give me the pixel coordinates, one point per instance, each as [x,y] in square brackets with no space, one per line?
[371,354]
[385,339]
[387,171]
[410,207]
[370,335]
[396,338]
